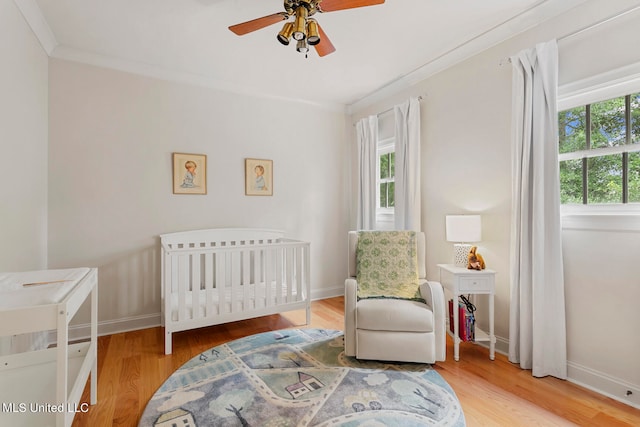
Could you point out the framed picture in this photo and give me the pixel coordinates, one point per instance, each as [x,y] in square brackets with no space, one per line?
[189,173]
[258,177]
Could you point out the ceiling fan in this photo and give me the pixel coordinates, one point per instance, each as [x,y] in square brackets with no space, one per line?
[305,30]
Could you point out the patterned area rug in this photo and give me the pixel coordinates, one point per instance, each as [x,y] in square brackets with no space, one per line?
[300,378]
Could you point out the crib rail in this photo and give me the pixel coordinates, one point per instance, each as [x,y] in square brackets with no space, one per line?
[211,278]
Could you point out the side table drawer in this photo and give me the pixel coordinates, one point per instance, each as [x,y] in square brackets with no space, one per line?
[475,284]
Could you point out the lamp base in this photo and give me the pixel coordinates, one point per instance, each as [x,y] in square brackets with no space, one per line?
[461,254]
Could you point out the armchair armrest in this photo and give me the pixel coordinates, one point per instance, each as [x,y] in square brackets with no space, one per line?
[350,298]
[433,294]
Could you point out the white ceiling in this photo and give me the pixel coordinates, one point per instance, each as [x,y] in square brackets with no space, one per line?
[377,46]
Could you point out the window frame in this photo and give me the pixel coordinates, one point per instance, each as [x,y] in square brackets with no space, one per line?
[384,146]
[612,84]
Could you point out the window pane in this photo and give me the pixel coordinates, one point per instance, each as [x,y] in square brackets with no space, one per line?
[604,179]
[608,128]
[635,118]
[392,165]
[384,166]
[391,195]
[571,181]
[383,195]
[571,126]
[634,177]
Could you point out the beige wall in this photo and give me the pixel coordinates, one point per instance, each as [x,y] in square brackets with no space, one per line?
[23,145]
[110,190]
[466,167]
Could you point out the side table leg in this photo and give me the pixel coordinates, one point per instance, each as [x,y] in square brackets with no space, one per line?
[492,337]
[456,329]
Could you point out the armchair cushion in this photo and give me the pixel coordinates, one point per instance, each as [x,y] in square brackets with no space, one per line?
[404,316]
[387,264]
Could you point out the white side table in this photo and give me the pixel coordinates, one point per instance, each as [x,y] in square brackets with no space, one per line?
[459,281]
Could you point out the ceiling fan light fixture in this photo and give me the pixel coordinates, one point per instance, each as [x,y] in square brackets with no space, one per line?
[313,37]
[302,46]
[300,26]
[285,34]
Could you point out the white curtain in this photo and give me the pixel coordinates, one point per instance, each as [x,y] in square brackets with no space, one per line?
[537,331]
[407,167]
[367,140]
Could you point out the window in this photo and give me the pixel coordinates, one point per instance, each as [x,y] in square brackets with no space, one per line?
[599,152]
[386,176]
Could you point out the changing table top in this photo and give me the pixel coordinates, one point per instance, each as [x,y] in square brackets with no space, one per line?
[43,287]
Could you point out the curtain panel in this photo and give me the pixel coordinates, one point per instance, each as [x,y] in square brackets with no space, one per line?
[367,140]
[407,167]
[537,329]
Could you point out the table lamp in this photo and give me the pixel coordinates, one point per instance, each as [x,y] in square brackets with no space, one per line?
[462,229]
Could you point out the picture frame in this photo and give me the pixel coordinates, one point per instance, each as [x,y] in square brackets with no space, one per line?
[258,177]
[189,173]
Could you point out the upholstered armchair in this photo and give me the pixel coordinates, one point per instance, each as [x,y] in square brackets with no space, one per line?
[393,328]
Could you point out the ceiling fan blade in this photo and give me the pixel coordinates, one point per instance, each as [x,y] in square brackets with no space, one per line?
[325,47]
[256,24]
[333,5]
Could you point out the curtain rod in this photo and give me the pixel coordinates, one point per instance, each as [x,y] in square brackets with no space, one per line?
[588,27]
[420,97]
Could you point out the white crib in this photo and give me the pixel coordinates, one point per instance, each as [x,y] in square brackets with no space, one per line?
[224,275]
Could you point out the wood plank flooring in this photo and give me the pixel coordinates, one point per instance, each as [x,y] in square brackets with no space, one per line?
[132,365]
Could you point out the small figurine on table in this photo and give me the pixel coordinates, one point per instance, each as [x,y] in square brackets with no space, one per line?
[475,260]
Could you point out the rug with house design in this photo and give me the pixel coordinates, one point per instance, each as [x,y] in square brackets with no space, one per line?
[302,378]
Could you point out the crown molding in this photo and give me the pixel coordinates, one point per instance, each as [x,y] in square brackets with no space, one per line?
[35,19]
[531,17]
[147,70]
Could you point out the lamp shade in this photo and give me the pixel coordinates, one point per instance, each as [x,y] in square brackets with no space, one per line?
[463,228]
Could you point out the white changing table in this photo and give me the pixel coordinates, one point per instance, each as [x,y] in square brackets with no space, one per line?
[43,387]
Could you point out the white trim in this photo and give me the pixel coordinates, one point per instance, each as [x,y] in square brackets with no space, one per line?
[526,20]
[620,218]
[319,294]
[35,19]
[611,84]
[615,388]
[147,70]
[134,323]
[599,152]
[591,379]
[110,327]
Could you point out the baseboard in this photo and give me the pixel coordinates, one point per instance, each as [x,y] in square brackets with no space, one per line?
[593,380]
[109,327]
[604,384]
[318,294]
[133,323]
[596,381]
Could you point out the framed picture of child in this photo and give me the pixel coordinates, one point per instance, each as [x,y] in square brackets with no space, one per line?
[258,177]
[189,173]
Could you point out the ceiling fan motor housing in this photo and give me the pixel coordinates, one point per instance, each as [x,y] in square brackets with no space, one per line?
[290,6]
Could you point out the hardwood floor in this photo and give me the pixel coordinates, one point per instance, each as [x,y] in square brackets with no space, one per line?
[132,365]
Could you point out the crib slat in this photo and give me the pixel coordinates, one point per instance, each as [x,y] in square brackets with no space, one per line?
[220,280]
[195,286]
[268,277]
[208,284]
[183,280]
[234,279]
[279,260]
[298,273]
[288,267]
[246,278]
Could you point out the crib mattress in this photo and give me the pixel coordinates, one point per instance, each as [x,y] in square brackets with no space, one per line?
[256,297]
